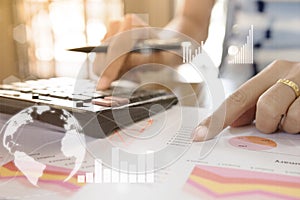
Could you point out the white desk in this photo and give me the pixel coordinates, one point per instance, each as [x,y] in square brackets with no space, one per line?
[267,161]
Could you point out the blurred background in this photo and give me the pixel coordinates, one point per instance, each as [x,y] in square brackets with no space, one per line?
[36,33]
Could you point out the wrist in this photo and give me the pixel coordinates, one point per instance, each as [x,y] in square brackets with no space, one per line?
[198,31]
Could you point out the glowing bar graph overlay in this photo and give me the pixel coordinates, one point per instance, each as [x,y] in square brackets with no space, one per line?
[245,53]
[122,171]
[187,54]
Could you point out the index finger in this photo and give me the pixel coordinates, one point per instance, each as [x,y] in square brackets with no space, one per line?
[115,59]
[120,45]
[239,102]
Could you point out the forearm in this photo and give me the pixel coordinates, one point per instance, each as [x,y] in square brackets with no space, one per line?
[193,18]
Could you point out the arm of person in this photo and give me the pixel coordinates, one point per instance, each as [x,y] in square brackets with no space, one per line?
[192,19]
[271,98]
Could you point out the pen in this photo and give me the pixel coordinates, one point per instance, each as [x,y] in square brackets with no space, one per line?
[142,47]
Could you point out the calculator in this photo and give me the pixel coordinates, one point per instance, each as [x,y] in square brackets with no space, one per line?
[99,113]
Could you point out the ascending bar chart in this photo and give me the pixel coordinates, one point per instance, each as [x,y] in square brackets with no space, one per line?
[245,54]
[121,171]
[187,54]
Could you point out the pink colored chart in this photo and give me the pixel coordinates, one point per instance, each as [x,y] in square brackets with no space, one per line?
[252,143]
[220,182]
[52,175]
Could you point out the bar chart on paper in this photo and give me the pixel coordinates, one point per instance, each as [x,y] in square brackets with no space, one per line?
[142,171]
[243,55]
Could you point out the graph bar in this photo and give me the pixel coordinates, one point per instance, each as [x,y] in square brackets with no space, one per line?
[187,53]
[245,52]
[98,171]
[183,54]
[251,43]
[81,178]
[185,48]
[115,165]
[107,175]
[132,174]
[124,172]
[150,167]
[89,177]
[141,169]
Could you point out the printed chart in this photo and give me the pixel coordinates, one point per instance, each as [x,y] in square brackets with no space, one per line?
[246,164]
[221,182]
[254,143]
[51,175]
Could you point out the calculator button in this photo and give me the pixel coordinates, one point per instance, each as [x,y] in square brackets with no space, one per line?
[41,92]
[105,102]
[24,90]
[10,93]
[119,100]
[94,95]
[79,103]
[7,87]
[20,84]
[77,97]
[35,96]
[59,95]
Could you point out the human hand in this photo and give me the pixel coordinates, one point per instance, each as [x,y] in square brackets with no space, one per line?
[111,64]
[272,104]
[122,37]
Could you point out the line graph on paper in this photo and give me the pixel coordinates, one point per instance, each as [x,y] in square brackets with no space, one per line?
[136,130]
[244,54]
[155,133]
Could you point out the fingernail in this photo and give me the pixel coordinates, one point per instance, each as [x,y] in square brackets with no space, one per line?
[103,83]
[200,133]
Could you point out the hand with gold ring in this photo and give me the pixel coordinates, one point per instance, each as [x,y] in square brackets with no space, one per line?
[271,98]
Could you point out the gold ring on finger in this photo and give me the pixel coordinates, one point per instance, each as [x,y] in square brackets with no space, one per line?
[292,85]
